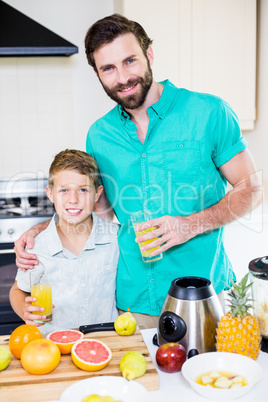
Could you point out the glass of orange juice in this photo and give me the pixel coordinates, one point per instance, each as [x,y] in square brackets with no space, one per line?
[42,290]
[141,217]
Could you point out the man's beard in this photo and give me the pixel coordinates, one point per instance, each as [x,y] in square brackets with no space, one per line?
[136,100]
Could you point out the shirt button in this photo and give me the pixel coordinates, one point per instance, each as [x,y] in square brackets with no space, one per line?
[151,280]
[143,155]
[145,188]
[84,311]
[83,285]
[181,145]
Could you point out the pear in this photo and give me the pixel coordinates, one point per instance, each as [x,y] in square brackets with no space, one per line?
[125,324]
[5,357]
[132,365]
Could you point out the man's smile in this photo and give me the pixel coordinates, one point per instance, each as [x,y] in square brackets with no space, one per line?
[128,88]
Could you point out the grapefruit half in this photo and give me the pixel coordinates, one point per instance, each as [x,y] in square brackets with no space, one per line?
[91,354]
[65,339]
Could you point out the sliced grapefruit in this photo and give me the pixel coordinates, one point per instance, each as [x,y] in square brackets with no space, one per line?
[65,339]
[91,355]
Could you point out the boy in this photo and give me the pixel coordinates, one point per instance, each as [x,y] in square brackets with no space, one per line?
[78,250]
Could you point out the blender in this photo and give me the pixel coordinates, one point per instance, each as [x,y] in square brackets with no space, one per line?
[258,269]
[190,315]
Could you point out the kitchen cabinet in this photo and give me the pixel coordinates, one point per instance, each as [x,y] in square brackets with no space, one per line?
[203,45]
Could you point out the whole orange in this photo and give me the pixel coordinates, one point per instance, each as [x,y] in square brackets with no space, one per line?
[40,356]
[21,336]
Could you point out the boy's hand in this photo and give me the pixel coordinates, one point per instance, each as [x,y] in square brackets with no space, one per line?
[28,310]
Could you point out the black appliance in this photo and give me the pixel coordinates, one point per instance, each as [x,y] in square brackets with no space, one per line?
[22,36]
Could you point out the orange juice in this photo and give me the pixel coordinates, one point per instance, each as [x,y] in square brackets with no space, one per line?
[142,217]
[43,294]
[147,253]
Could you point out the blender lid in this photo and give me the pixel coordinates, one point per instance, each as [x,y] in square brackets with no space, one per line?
[259,267]
[191,288]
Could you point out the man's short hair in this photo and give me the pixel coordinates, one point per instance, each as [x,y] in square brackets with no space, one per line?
[109,28]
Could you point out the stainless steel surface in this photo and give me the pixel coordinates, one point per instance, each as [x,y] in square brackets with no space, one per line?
[23,204]
[13,228]
[7,251]
[22,187]
[201,318]
[190,315]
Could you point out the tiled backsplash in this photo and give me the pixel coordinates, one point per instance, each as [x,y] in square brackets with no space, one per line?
[36,113]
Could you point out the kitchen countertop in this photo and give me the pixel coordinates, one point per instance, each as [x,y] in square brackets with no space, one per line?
[175,384]
[171,385]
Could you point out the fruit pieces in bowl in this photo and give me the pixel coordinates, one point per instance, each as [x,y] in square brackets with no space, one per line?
[98,398]
[218,379]
[222,362]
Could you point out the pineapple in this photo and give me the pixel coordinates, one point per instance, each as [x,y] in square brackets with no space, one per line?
[238,331]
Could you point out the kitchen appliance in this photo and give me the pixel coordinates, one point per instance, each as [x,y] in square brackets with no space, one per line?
[258,273]
[190,315]
[23,204]
[22,36]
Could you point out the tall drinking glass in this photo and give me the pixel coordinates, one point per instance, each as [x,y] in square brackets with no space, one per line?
[141,217]
[43,293]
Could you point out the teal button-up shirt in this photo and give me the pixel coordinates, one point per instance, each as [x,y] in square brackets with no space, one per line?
[174,172]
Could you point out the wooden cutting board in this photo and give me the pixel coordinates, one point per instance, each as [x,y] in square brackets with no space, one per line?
[16,384]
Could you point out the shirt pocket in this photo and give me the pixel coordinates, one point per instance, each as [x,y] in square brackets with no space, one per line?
[182,161]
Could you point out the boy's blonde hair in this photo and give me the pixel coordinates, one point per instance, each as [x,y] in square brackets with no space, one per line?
[73,159]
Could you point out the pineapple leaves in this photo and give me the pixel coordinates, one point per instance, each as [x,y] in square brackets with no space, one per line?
[239,299]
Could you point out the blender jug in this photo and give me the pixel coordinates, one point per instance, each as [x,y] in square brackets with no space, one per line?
[258,270]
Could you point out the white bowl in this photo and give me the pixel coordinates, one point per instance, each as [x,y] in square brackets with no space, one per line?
[116,387]
[225,362]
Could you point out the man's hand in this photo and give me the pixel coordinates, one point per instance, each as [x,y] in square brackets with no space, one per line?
[28,310]
[170,230]
[245,195]
[25,260]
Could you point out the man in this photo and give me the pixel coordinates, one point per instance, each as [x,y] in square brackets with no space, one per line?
[168,150]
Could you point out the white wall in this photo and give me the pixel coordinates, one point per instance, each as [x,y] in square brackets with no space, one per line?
[248,239]
[258,138]
[48,103]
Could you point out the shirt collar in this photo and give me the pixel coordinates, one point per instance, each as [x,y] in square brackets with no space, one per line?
[160,107]
[169,92]
[54,243]
[100,234]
